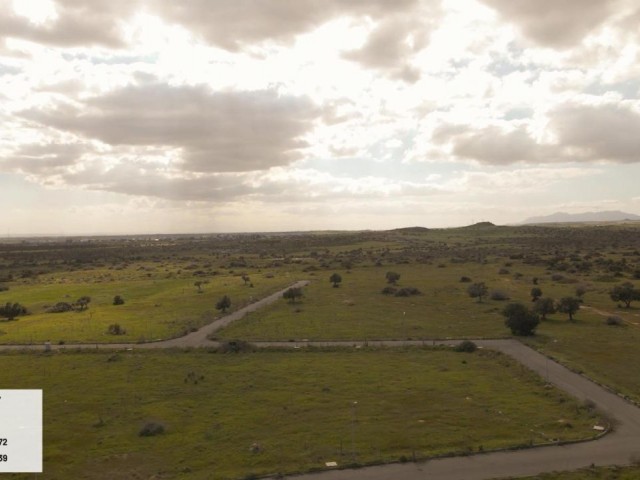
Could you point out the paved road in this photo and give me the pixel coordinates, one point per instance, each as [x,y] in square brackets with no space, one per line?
[618,448]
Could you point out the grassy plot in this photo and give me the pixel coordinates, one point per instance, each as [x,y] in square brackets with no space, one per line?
[357,309]
[236,415]
[608,354]
[154,308]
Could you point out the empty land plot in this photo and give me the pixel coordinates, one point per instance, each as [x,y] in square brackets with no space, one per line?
[154,308]
[236,415]
[359,309]
[608,354]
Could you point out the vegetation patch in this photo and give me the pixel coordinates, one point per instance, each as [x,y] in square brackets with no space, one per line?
[287,411]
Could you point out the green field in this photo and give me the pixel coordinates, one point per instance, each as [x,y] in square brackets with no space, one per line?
[155,307]
[297,405]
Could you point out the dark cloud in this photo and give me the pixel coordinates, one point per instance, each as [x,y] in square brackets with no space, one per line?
[391,44]
[137,180]
[584,133]
[43,159]
[78,23]
[553,23]
[606,132]
[493,146]
[229,24]
[233,24]
[217,132]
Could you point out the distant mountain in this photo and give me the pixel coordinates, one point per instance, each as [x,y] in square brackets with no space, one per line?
[562,217]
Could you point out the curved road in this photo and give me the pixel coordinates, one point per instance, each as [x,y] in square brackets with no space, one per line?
[621,447]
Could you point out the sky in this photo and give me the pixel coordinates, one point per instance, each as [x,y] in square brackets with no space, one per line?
[155,116]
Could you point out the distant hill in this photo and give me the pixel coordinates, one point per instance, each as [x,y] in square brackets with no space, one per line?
[411,230]
[479,225]
[562,217]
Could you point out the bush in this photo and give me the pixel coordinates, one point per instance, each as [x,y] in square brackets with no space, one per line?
[60,307]
[292,294]
[116,329]
[392,277]
[236,346]
[499,295]
[466,346]
[407,292]
[118,300]
[520,320]
[465,279]
[12,310]
[503,271]
[151,429]
[3,288]
[389,291]
[614,320]
[224,303]
[477,290]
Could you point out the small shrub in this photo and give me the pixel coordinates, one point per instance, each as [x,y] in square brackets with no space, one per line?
[60,307]
[465,279]
[503,271]
[389,291]
[151,429]
[477,290]
[3,288]
[407,292]
[499,295]
[466,346]
[236,346]
[392,277]
[116,329]
[118,300]
[614,320]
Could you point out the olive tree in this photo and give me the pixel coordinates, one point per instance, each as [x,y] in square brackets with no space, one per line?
[625,293]
[520,320]
[12,310]
[568,305]
[477,290]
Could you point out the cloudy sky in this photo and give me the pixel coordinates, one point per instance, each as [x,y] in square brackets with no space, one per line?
[134,116]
